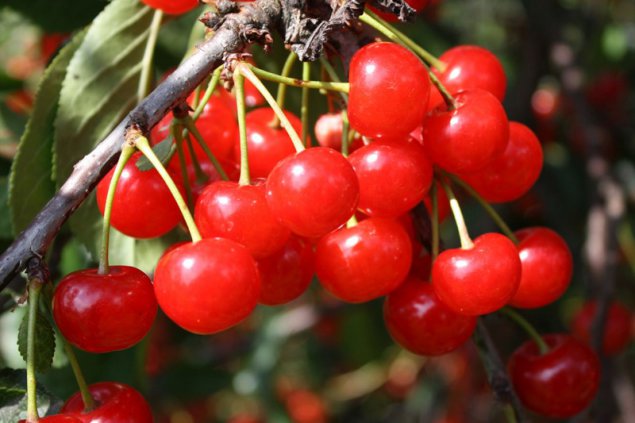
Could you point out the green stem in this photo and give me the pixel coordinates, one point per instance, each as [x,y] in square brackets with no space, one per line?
[191,127]
[487,206]
[319,85]
[466,241]
[435,221]
[333,75]
[352,221]
[246,71]
[510,414]
[527,327]
[148,56]
[178,140]
[239,83]
[142,144]
[345,130]
[211,87]
[392,33]
[87,398]
[286,71]
[126,153]
[304,110]
[35,286]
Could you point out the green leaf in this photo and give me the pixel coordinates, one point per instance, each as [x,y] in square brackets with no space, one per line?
[44,341]
[31,183]
[60,15]
[13,397]
[5,218]
[141,253]
[164,152]
[99,89]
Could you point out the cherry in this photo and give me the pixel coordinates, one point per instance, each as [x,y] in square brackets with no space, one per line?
[172,7]
[469,67]
[421,323]
[207,286]
[231,170]
[512,173]
[102,313]
[328,132]
[58,418]
[393,177]
[240,213]
[443,204]
[313,192]
[266,145]
[364,262]
[559,383]
[547,266]
[115,403]
[616,331]
[478,280]
[467,137]
[287,273]
[143,206]
[389,90]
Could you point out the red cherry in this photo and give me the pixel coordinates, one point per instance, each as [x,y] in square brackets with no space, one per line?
[418,321]
[240,213]
[143,206]
[443,204]
[172,7]
[328,132]
[467,68]
[231,170]
[287,273]
[393,177]
[559,383]
[468,137]
[266,145]
[617,329]
[511,174]
[313,192]
[207,286]
[58,418]
[365,261]
[478,280]
[547,266]
[116,403]
[103,313]
[389,90]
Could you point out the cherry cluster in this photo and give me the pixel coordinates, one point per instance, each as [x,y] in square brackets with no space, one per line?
[414,133]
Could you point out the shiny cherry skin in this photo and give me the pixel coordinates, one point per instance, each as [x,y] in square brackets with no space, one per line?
[364,262]
[559,383]
[393,177]
[115,403]
[328,132]
[469,67]
[616,331]
[143,206]
[389,90]
[207,286]
[266,145]
[421,323]
[547,266]
[313,192]
[172,7]
[468,137]
[287,273]
[58,418]
[240,213]
[512,173]
[478,280]
[103,313]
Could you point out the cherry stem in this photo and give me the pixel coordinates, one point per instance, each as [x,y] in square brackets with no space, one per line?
[211,87]
[304,109]
[374,21]
[239,83]
[510,414]
[87,398]
[447,97]
[148,56]
[435,221]
[246,71]
[318,85]
[126,153]
[178,140]
[527,327]
[352,221]
[142,144]
[191,127]
[282,88]
[487,206]
[466,241]
[333,75]
[345,130]
[34,287]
